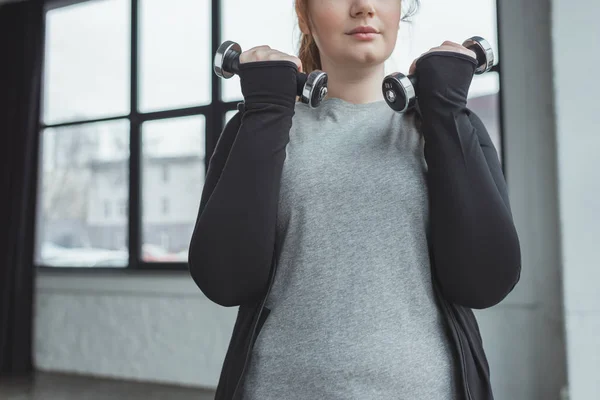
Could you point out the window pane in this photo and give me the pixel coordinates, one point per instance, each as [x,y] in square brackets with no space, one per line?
[84,178]
[484,100]
[86,73]
[228,116]
[170,206]
[255,23]
[175,60]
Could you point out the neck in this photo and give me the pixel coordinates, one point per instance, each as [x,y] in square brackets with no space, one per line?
[358,85]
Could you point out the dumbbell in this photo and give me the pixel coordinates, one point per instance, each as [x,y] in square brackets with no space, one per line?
[399,90]
[311,88]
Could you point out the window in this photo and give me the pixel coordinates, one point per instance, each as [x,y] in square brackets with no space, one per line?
[175,59]
[87,61]
[127,99]
[131,107]
[175,145]
[80,162]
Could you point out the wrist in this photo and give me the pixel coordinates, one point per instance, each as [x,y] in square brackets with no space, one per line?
[271,81]
[444,76]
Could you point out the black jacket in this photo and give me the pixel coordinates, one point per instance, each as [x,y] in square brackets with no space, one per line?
[474,248]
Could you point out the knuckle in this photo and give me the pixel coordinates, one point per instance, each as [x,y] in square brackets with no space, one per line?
[245,57]
[260,49]
[255,49]
[262,54]
[266,53]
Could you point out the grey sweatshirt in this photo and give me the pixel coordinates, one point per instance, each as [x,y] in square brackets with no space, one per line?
[353,313]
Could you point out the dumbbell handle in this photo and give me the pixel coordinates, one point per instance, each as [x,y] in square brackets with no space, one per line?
[311,88]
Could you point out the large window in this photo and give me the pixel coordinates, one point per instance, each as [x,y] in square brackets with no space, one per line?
[126,106]
[131,109]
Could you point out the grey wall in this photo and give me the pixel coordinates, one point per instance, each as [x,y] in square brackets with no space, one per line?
[524,335]
[576,46]
[151,327]
[162,328]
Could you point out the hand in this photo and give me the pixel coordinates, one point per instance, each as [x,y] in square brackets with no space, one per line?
[265,53]
[446,46]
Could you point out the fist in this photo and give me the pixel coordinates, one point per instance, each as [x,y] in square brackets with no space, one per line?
[446,46]
[265,53]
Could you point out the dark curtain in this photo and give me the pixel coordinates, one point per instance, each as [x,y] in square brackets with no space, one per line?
[21,52]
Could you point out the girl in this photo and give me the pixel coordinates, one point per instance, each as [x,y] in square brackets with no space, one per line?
[355,240]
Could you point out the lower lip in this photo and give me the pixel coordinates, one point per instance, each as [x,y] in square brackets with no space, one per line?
[364,36]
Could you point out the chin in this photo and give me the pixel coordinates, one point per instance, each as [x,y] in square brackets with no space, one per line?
[368,57]
[355,55]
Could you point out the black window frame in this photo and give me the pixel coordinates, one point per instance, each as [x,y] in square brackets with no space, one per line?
[214,113]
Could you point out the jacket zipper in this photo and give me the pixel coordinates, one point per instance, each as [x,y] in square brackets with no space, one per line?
[460,346]
[250,346]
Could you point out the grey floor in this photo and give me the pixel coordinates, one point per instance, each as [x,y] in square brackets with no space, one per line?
[50,386]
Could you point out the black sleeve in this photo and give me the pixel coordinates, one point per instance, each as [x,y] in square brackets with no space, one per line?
[232,245]
[491,155]
[475,247]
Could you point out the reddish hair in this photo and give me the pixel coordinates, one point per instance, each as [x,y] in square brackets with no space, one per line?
[309,52]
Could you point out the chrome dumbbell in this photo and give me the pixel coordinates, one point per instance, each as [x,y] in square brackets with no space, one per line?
[399,90]
[311,88]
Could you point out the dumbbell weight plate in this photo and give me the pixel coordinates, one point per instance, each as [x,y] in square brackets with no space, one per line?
[220,59]
[315,88]
[484,51]
[399,92]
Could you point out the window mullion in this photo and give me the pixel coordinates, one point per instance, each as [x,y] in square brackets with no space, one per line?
[135,208]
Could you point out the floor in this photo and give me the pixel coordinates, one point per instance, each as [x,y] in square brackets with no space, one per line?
[50,386]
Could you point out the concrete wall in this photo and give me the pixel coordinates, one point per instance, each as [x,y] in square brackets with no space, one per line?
[153,327]
[524,334]
[576,46]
